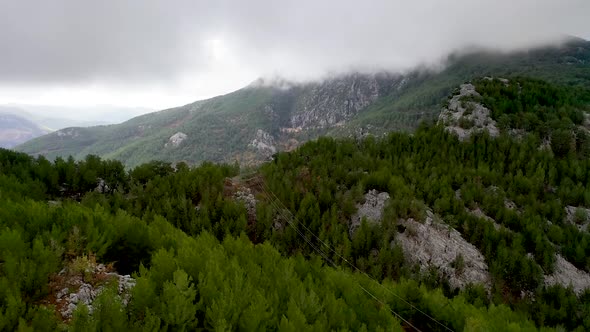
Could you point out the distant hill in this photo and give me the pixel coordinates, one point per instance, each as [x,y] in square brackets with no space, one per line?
[15,129]
[251,124]
[59,117]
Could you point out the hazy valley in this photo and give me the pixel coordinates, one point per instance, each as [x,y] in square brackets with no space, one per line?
[21,123]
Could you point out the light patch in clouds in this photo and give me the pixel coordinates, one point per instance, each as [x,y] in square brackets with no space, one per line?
[167,53]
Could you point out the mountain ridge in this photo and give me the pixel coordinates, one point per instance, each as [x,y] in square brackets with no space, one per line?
[224,128]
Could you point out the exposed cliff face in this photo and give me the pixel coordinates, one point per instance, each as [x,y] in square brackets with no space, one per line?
[337,100]
[263,144]
[81,282]
[248,125]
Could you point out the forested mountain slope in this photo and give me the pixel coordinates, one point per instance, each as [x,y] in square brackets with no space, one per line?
[215,278]
[404,231]
[251,124]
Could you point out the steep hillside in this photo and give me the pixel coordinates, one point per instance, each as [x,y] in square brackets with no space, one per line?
[227,127]
[480,234]
[94,265]
[253,123]
[16,129]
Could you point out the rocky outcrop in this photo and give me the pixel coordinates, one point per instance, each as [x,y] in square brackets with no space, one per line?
[176,139]
[566,274]
[263,143]
[101,186]
[245,196]
[464,116]
[578,216]
[334,101]
[76,285]
[433,244]
[371,209]
[68,132]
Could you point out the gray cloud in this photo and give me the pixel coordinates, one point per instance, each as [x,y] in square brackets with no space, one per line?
[137,42]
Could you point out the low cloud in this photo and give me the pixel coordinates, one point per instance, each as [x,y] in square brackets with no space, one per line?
[201,47]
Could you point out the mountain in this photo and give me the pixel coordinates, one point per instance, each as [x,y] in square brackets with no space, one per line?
[20,123]
[480,222]
[59,117]
[469,229]
[16,128]
[251,124]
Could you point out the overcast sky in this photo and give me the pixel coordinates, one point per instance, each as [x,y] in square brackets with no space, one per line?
[159,54]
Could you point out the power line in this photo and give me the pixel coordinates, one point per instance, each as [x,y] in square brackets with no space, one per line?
[269,193]
[359,270]
[325,256]
[327,246]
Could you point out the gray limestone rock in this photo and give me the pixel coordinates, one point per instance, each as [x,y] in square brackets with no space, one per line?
[464,117]
[567,274]
[86,293]
[263,143]
[578,216]
[480,214]
[245,196]
[330,103]
[176,139]
[371,209]
[433,244]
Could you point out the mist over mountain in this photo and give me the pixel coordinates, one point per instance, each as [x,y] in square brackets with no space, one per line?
[199,50]
[274,114]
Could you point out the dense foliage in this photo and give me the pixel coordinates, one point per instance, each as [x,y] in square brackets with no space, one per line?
[556,114]
[203,261]
[213,282]
[41,234]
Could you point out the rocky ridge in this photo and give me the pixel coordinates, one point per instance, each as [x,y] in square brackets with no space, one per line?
[464,117]
[221,128]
